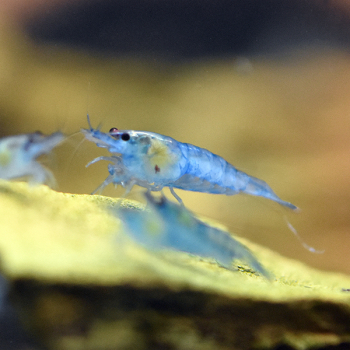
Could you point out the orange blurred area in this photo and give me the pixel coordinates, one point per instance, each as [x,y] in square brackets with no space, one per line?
[21,10]
[286,121]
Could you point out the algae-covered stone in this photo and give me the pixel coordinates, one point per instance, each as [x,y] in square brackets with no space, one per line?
[78,282]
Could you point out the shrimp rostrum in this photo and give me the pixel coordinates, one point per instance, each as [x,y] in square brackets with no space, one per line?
[19,153]
[155,161]
[169,226]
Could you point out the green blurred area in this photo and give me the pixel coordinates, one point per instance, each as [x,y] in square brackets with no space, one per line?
[284,121]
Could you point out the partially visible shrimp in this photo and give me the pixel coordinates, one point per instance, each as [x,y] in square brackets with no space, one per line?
[171,226]
[18,156]
[155,161]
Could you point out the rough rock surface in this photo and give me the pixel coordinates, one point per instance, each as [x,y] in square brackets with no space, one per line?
[78,282]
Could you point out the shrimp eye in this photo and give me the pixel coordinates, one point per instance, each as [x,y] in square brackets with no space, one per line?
[113,130]
[125,137]
[30,141]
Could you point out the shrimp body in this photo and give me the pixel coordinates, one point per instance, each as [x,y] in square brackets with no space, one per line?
[18,156]
[171,226]
[155,161]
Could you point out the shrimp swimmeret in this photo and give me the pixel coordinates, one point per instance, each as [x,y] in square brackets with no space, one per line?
[155,161]
[170,226]
[18,156]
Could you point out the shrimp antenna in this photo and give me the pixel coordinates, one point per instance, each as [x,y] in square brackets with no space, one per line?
[75,151]
[294,231]
[87,108]
[296,234]
[90,126]
[89,122]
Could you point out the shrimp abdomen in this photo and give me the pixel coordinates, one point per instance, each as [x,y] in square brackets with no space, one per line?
[210,173]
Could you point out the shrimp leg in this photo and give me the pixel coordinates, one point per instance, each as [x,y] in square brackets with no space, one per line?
[176,196]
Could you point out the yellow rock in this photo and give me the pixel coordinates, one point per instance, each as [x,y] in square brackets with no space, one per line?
[78,282]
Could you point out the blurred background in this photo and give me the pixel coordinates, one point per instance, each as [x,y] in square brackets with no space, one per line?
[264,84]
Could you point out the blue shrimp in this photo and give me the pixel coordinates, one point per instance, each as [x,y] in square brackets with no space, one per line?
[18,156]
[155,161]
[171,226]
